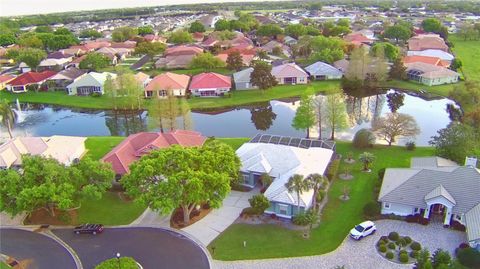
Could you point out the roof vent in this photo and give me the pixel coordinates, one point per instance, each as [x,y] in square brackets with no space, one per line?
[471,162]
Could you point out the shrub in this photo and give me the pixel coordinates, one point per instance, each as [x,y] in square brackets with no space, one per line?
[403,258]
[408,239]
[381,173]
[304,218]
[391,245]
[394,236]
[410,145]
[464,245]
[469,257]
[414,254]
[96,94]
[458,226]
[248,211]
[416,246]
[126,262]
[320,195]
[382,248]
[371,209]
[402,242]
[381,242]
[384,238]
[333,169]
[259,203]
[389,255]
[363,138]
[403,252]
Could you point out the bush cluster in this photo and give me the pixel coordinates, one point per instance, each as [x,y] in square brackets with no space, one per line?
[389,255]
[407,239]
[371,209]
[416,246]
[403,258]
[333,169]
[382,248]
[394,236]
[414,254]
[391,245]
[364,138]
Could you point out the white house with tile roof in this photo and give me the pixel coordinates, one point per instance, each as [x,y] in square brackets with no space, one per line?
[435,186]
[281,162]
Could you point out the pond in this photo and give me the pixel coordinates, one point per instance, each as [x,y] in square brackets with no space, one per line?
[274,117]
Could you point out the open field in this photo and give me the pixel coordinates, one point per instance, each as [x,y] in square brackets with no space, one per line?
[467,51]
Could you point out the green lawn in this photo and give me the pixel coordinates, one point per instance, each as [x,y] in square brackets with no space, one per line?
[268,241]
[442,90]
[467,52]
[4,266]
[98,146]
[237,97]
[110,210]
[235,143]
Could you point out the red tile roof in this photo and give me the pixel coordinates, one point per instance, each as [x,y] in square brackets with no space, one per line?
[210,80]
[31,78]
[167,81]
[357,38]
[137,145]
[183,50]
[6,78]
[424,59]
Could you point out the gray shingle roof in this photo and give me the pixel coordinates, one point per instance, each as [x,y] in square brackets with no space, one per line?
[440,191]
[243,76]
[321,68]
[473,223]
[461,183]
[424,162]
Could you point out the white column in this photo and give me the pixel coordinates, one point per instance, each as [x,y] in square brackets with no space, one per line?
[427,211]
[448,215]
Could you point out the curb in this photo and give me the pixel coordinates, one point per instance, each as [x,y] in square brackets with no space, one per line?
[70,250]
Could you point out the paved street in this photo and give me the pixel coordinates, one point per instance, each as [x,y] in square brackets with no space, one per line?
[153,248]
[361,254]
[36,250]
[208,228]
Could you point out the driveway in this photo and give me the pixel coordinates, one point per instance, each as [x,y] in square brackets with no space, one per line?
[361,254]
[35,250]
[153,248]
[208,228]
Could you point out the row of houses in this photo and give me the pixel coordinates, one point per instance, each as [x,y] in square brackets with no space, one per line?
[78,82]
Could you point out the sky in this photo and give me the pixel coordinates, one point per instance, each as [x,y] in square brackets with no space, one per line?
[28,7]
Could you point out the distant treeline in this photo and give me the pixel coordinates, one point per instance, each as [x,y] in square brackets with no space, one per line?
[12,24]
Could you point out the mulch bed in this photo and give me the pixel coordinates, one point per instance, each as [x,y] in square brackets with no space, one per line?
[124,197]
[176,220]
[42,216]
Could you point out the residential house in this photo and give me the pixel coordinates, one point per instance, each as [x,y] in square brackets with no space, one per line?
[430,74]
[65,149]
[167,84]
[115,54]
[142,79]
[426,59]
[427,41]
[289,41]
[55,61]
[178,57]
[242,79]
[290,73]
[248,55]
[323,71]
[271,45]
[198,37]
[358,39]
[282,157]
[75,50]
[89,83]
[137,145]
[341,65]
[4,79]
[155,38]
[65,77]
[76,62]
[210,85]
[437,189]
[444,56]
[30,81]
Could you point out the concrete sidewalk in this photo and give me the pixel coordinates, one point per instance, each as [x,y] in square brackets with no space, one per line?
[208,228]
[152,219]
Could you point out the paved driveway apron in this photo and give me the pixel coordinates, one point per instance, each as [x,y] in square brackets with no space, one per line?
[153,248]
[361,254]
[36,250]
[208,228]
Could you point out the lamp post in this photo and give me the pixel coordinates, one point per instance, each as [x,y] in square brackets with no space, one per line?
[118,259]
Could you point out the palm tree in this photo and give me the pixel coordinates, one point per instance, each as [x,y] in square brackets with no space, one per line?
[316,181]
[297,184]
[7,115]
[266,180]
[366,158]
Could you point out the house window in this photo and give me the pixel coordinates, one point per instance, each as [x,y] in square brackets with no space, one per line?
[416,210]
[149,93]
[386,205]
[162,93]
[246,179]
[458,217]
[283,209]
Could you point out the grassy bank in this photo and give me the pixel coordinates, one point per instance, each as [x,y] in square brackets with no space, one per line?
[338,217]
[467,51]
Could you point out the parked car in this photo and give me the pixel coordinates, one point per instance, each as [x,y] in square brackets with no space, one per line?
[362,230]
[88,229]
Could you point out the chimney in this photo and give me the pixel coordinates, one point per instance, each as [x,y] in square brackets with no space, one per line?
[471,162]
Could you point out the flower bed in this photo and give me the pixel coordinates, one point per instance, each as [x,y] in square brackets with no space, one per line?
[398,249]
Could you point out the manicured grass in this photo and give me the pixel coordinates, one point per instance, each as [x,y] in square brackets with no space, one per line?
[4,266]
[442,90]
[110,210]
[467,51]
[98,146]
[338,217]
[235,143]
[236,98]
